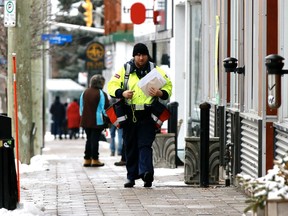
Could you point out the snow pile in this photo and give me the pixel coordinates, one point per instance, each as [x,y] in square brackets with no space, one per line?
[37,163]
[272,186]
[24,209]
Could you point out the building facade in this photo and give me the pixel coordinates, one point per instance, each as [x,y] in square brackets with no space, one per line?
[199,36]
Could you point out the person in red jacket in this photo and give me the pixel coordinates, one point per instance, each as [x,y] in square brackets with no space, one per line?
[73,119]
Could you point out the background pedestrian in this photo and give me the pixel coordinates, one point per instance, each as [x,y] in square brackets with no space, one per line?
[73,119]
[64,123]
[57,111]
[93,102]
[113,131]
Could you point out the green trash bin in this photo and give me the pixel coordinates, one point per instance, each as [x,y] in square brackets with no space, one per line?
[8,177]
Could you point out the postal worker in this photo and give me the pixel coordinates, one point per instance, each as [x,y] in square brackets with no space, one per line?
[139,130]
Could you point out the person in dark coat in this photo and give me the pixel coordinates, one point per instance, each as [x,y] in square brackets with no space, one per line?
[57,110]
[73,119]
[93,102]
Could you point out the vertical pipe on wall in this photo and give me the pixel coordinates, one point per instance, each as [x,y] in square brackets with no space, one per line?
[241,54]
[262,50]
[223,51]
[187,56]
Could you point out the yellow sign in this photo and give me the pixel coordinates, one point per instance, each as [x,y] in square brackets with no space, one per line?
[95,52]
[94,65]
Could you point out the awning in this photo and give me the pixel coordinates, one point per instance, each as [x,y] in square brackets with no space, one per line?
[63,85]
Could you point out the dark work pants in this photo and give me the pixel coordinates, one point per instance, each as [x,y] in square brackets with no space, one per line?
[92,143]
[138,139]
[123,154]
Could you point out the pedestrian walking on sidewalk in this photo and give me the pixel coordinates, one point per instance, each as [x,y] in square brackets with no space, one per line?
[113,131]
[57,111]
[139,131]
[122,161]
[73,119]
[93,102]
[121,147]
[64,124]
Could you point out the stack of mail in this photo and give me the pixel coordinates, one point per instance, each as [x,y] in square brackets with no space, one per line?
[152,79]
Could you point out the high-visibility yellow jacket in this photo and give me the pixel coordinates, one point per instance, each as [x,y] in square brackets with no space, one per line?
[139,98]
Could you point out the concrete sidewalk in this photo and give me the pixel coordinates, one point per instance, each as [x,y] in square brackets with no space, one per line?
[68,188]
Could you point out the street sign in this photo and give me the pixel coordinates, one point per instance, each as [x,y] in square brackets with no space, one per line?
[10,13]
[60,39]
[57,38]
[137,11]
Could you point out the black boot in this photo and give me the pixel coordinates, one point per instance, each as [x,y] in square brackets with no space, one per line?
[148,179]
[129,183]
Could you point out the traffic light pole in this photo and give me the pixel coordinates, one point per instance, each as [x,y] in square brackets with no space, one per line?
[84,28]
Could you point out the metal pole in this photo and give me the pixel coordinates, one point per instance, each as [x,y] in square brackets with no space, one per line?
[78,27]
[16,123]
[172,126]
[204,144]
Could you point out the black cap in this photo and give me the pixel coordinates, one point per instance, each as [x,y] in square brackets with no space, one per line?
[141,49]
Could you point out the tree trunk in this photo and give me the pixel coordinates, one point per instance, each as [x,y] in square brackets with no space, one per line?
[37,77]
[24,41]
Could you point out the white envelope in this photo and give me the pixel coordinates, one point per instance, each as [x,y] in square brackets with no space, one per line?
[152,79]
